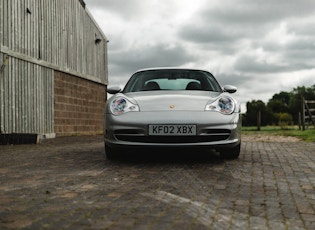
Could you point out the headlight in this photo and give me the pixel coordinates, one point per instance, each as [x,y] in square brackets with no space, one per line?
[122,105]
[224,104]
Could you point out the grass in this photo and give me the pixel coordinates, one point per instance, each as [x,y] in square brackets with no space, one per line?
[307,135]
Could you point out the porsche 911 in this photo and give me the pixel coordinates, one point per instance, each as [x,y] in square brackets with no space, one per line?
[172,108]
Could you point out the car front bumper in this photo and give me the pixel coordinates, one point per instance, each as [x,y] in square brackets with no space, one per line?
[213,129]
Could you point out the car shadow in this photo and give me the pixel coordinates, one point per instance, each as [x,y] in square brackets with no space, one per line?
[169,156]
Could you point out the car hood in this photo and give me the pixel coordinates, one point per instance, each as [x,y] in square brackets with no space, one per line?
[172,100]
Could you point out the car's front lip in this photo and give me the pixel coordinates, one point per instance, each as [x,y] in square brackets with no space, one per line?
[213,129]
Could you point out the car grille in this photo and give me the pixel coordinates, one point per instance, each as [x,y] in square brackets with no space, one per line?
[208,135]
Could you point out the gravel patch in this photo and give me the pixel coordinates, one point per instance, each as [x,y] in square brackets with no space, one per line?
[268,138]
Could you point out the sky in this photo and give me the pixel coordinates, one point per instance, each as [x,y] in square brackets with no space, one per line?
[262,47]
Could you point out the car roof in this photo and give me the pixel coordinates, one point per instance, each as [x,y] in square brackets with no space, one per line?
[169,68]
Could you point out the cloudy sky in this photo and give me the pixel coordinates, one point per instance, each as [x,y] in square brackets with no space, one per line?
[262,46]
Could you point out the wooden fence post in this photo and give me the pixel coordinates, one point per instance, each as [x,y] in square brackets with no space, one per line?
[258,120]
[303,113]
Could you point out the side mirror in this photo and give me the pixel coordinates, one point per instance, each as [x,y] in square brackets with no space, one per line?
[229,88]
[113,90]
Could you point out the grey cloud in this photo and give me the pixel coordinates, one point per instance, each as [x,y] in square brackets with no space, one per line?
[302,44]
[301,53]
[207,33]
[243,19]
[125,8]
[302,28]
[310,81]
[233,79]
[158,55]
[297,54]
[259,11]
[248,63]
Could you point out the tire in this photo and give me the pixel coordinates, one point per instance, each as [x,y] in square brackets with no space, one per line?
[231,153]
[111,154]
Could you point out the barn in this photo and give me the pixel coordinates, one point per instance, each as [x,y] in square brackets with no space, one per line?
[53,70]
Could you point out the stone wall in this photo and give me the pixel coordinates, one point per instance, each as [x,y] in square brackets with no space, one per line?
[79,106]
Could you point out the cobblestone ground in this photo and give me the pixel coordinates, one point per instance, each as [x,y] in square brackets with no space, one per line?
[67,183]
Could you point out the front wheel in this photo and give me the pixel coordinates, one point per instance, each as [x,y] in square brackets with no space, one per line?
[111,154]
[231,153]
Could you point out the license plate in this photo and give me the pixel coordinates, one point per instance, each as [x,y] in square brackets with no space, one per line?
[172,130]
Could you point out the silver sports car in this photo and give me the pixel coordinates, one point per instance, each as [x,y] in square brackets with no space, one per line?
[173,107]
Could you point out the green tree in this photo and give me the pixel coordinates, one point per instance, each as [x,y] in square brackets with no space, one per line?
[253,108]
[279,103]
[282,108]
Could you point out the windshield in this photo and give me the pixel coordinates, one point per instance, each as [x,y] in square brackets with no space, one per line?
[172,79]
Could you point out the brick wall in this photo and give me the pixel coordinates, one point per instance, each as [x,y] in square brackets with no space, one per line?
[79,106]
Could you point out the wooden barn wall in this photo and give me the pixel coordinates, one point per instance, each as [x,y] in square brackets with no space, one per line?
[57,34]
[26,98]
[38,37]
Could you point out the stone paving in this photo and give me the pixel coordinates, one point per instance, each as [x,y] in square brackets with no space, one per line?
[67,183]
